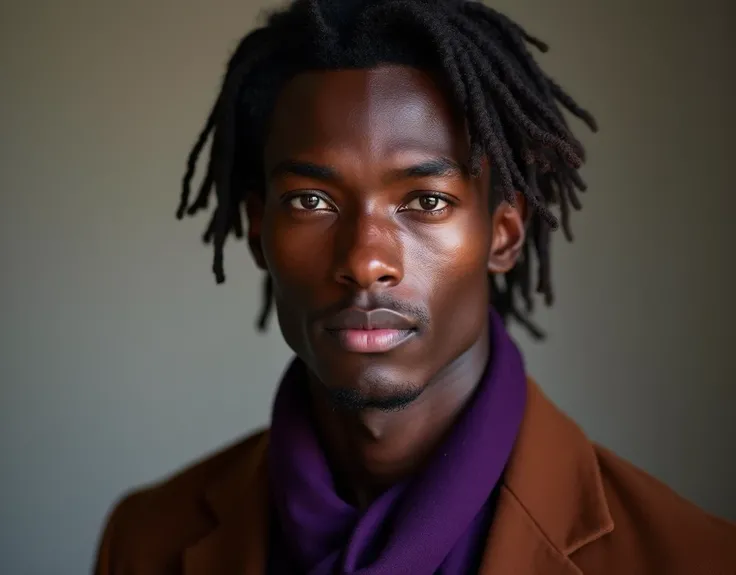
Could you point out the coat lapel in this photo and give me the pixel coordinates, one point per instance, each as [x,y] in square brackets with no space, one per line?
[239,501]
[516,545]
[552,502]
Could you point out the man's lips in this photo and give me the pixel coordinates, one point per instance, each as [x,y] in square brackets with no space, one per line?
[371,340]
[374,319]
[370,331]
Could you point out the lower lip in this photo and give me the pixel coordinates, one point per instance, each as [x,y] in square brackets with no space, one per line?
[371,340]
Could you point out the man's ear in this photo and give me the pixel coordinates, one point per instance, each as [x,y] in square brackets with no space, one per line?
[254,212]
[509,234]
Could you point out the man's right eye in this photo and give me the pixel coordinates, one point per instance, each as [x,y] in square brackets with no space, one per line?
[309,203]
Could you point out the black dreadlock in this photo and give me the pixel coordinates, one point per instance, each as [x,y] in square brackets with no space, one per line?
[510,104]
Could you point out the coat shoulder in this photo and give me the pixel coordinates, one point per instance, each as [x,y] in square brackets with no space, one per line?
[159,520]
[655,529]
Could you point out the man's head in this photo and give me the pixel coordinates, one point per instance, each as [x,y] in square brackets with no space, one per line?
[380,147]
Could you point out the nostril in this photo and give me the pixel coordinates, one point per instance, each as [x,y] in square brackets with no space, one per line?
[386,279]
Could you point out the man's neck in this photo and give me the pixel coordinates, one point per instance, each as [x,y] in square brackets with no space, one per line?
[371,450]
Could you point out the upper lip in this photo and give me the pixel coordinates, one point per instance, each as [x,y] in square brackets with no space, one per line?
[381,318]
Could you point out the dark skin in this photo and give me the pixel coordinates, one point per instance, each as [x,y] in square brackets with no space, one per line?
[370,204]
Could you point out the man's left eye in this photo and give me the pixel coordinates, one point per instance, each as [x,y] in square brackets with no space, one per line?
[427,203]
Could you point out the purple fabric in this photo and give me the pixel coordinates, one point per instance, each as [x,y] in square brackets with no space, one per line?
[436,522]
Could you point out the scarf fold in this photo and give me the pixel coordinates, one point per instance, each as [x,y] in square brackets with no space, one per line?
[435,522]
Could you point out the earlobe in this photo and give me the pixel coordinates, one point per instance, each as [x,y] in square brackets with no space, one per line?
[508,237]
[254,212]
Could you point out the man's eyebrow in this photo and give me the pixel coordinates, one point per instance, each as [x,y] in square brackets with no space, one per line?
[433,168]
[304,169]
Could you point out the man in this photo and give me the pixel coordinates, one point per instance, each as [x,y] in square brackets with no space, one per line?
[399,161]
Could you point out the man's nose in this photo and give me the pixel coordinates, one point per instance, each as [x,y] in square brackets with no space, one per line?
[369,254]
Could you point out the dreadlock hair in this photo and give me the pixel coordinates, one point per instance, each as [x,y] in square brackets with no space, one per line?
[511,106]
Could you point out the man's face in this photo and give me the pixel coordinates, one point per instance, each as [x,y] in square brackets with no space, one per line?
[369,206]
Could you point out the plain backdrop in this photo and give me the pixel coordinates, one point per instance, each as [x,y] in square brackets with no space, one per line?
[120,360]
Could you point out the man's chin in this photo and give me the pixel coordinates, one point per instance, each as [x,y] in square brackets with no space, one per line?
[372,385]
[353,399]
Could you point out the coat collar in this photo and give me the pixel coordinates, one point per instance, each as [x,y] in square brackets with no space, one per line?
[551,504]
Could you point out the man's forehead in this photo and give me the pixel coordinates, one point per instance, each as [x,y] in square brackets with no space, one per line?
[395,106]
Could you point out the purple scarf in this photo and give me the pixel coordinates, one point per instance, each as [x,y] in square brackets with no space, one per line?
[436,522]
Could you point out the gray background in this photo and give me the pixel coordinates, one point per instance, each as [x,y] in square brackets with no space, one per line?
[120,360]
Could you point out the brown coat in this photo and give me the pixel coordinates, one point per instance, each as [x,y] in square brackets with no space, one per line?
[566,507]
